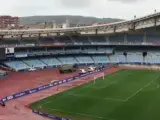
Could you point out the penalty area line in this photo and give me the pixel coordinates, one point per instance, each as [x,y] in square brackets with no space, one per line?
[41,105]
[82,114]
[107,85]
[113,99]
[141,88]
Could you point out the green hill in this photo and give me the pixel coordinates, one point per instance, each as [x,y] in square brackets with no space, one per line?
[61,19]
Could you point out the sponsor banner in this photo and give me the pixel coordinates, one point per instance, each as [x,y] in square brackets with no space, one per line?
[20,94]
[32,90]
[52,44]
[4,99]
[45,87]
[40,88]
[49,116]
[31,54]
[70,79]
[10,55]
[20,55]
[47,44]
[156,44]
[10,97]
[59,44]
[31,44]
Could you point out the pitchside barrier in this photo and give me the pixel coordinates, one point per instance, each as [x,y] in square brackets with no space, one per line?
[49,116]
[47,86]
[37,89]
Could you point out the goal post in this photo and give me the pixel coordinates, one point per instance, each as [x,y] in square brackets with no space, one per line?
[100,75]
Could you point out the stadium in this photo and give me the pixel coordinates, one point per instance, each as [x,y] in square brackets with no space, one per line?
[101,72]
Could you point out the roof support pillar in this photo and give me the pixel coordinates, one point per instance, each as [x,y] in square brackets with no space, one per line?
[125,38]
[155,21]
[21,36]
[145,37]
[39,36]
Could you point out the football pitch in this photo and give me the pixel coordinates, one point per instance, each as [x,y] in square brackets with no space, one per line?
[124,95]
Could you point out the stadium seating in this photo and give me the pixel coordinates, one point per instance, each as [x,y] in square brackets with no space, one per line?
[28,41]
[100,59]
[17,65]
[153,39]
[105,50]
[67,60]
[97,39]
[84,59]
[65,39]
[35,63]
[113,59]
[73,50]
[90,50]
[134,58]
[51,61]
[117,39]
[13,42]
[56,51]
[152,58]
[81,40]
[134,39]
[46,40]
[121,58]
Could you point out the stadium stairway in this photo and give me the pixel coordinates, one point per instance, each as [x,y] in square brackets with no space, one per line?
[109,58]
[76,59]
[71,39]
[93,59]
[43,62]
[59,60]
[26,63]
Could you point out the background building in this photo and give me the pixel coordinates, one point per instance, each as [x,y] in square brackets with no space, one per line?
[9,22]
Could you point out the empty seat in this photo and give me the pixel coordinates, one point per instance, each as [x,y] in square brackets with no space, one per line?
[17,65]
[113,59]
[84,59]
[35,63]
[51,61]
[100,59]
[67,60]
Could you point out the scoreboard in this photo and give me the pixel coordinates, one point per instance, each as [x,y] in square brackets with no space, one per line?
[6,52]
[9,50]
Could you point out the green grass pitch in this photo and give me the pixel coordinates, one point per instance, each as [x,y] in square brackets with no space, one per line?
[124,95]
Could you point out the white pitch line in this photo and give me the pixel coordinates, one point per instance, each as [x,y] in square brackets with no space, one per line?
[157,86]
[41,105]
[82,114]
[105,85]
[73,93]
[141,89]
[81,87]
[115,99]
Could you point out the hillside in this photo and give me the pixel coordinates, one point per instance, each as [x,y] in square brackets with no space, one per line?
[63,18]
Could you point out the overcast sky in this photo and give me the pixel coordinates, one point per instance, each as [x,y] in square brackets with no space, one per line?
[124,9]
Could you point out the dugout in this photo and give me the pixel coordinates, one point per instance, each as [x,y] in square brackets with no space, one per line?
[68,68]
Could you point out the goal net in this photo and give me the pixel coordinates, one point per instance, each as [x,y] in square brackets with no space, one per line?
[98,76]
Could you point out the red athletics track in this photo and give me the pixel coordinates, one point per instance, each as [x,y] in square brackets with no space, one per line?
[17,82]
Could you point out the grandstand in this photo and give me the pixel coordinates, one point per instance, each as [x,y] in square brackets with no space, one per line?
[134,42]
[84,56]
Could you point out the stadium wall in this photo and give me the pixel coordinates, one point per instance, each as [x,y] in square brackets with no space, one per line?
[135,66]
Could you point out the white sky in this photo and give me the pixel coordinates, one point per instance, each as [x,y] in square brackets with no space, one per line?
[124,9]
